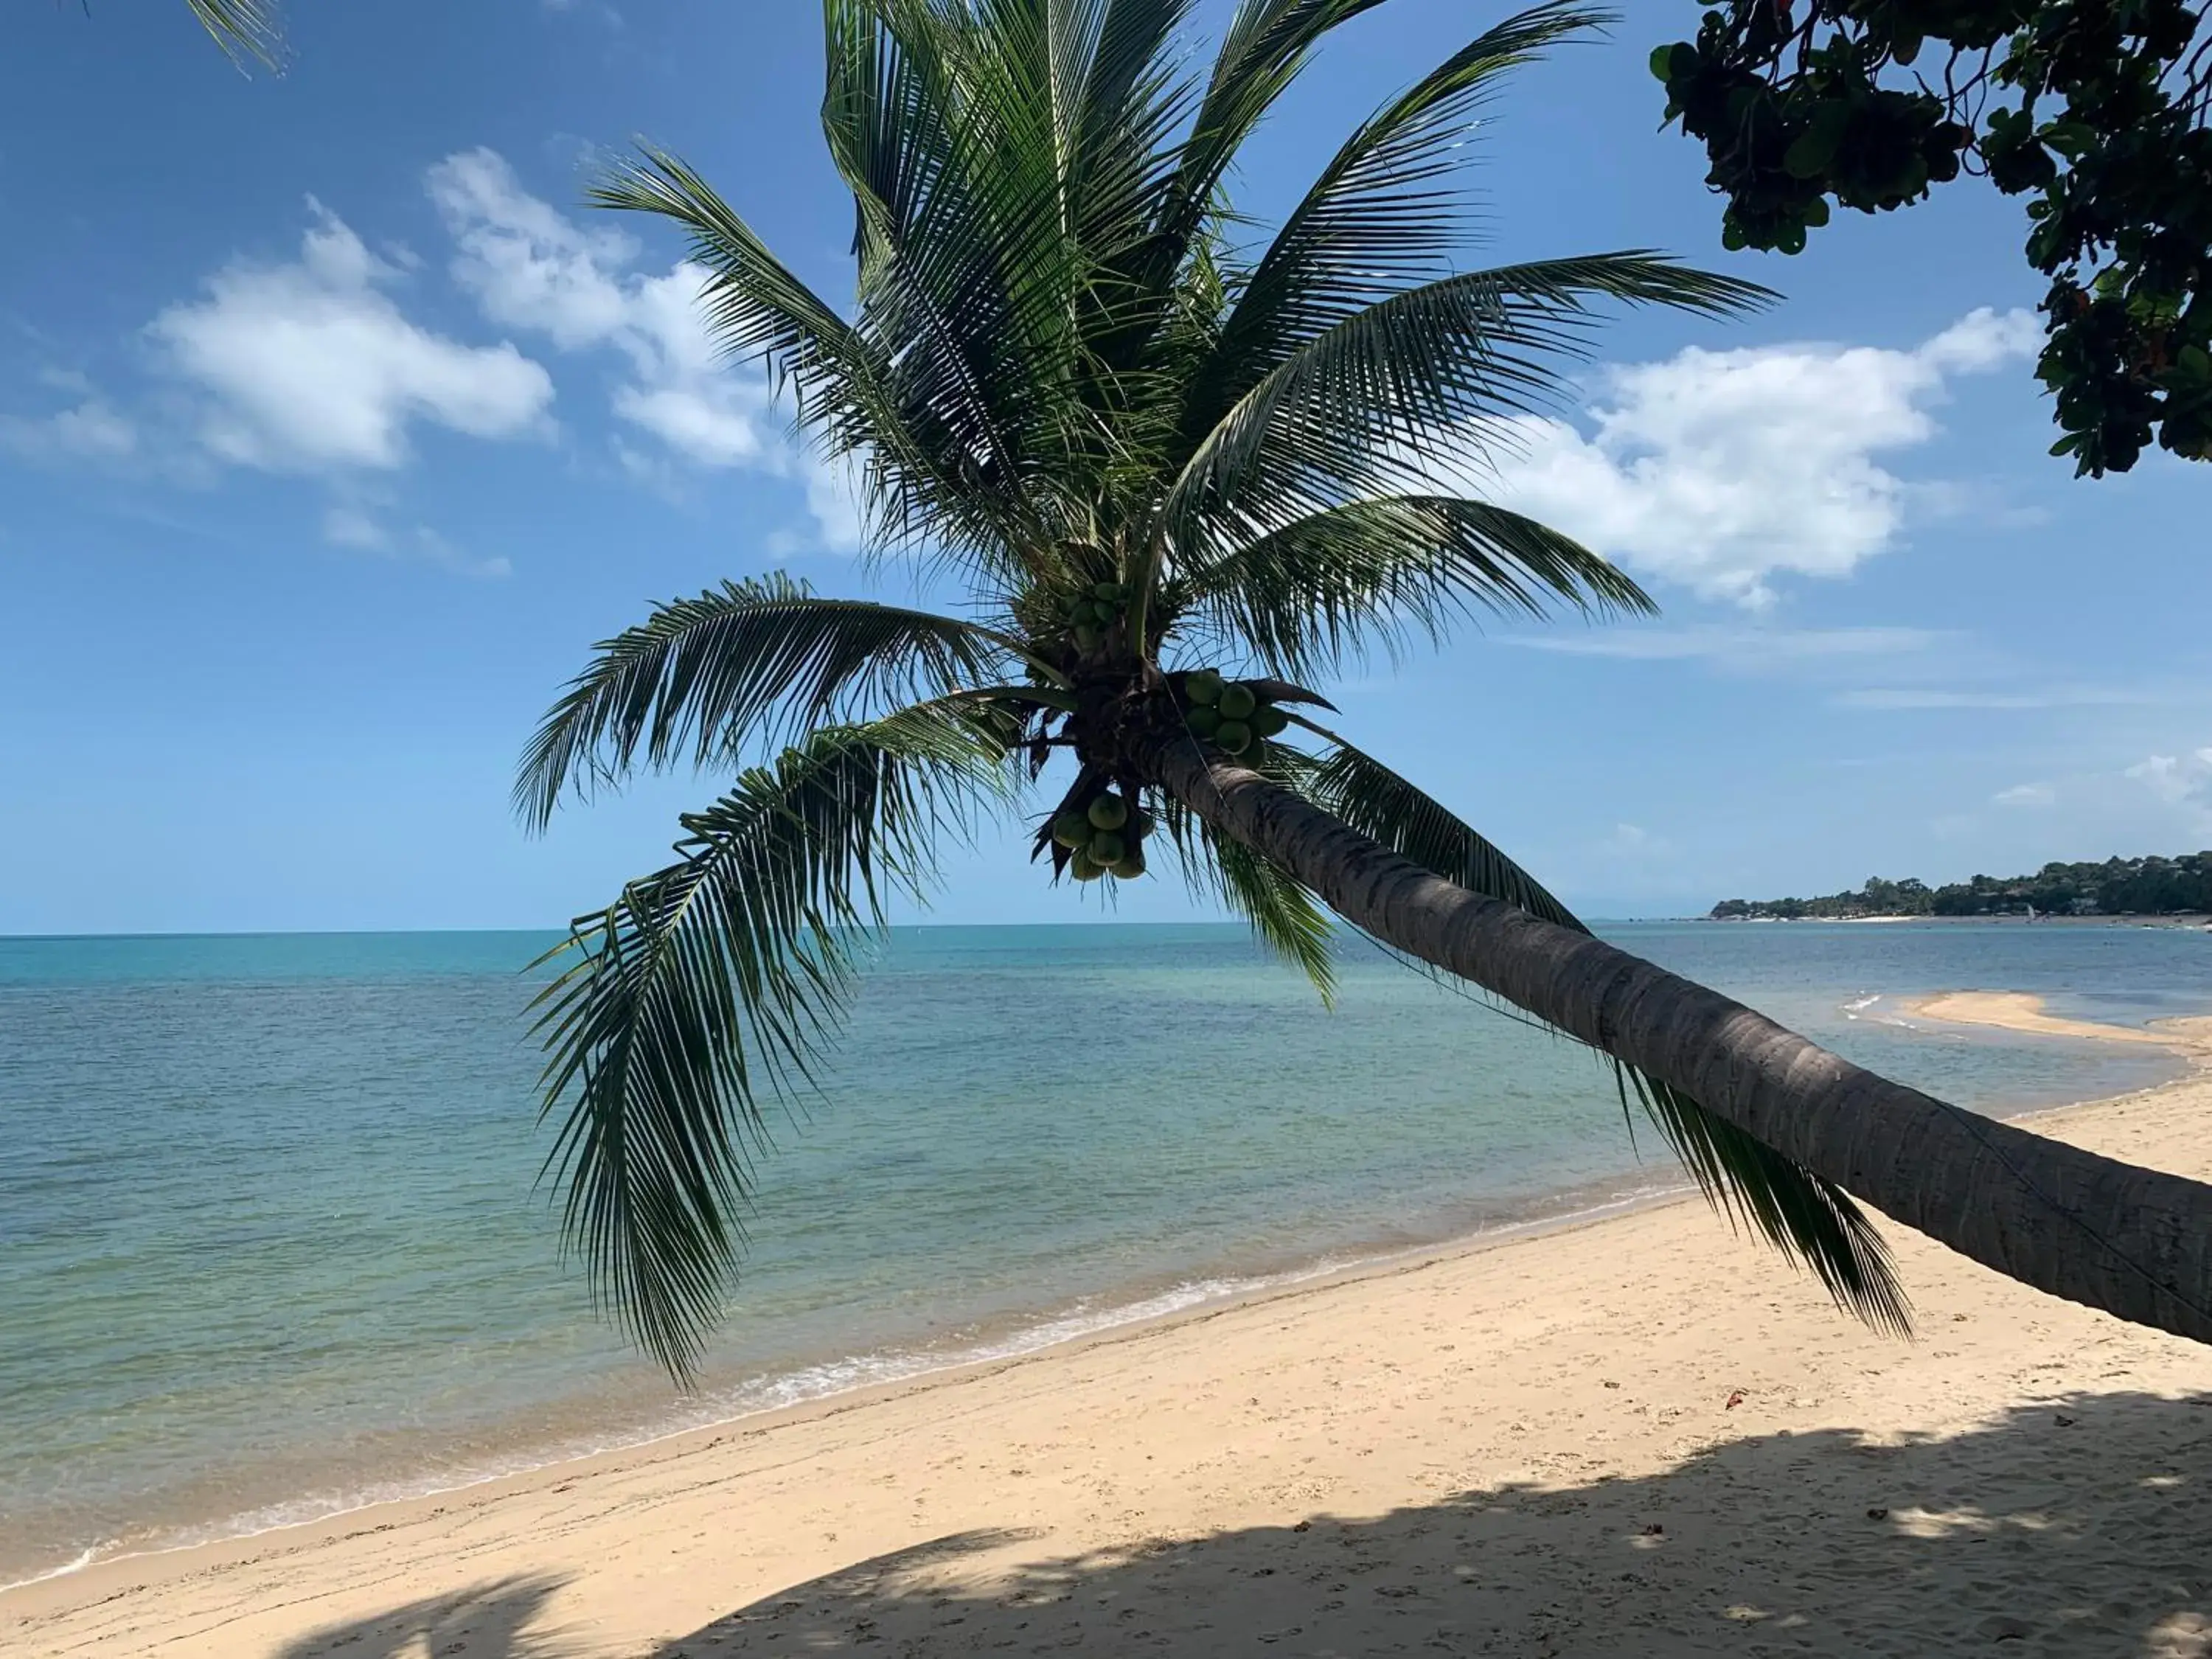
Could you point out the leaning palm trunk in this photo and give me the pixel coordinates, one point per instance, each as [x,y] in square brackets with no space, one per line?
[2134,1242]
[1181,480]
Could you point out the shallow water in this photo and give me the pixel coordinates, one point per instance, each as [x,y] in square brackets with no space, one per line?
[269,1246]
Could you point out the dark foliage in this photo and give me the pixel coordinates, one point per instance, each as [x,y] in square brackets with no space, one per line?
[2117,887]
[2095,109]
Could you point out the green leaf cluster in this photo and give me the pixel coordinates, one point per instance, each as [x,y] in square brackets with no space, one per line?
[2093,109]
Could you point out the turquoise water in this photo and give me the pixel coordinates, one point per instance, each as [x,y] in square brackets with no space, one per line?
[269,1246]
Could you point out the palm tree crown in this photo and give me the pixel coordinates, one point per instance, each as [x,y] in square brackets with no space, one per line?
[1181,472]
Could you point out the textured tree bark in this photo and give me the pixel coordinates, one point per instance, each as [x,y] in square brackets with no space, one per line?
[2135,1243]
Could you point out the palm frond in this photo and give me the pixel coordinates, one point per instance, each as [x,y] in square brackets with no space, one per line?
[1810,1219]
[712,678]
[1381,217]
[1412,388]
[1284,915]
[249,30]
[1807,1217]
[1266,47]
[916,464]
[1305,596]
[939,120]
[720,980]
[1389,809]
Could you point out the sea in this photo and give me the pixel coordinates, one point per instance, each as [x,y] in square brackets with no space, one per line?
[273,1243]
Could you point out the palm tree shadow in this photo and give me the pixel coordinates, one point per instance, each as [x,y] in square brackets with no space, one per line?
[2081,1526]
[502,1618]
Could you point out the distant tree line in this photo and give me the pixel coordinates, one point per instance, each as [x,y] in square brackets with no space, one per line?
[2117,887]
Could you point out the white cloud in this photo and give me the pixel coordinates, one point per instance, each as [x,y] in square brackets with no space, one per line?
[2176,779]
[1719,469]
[1745,647]
[2026,794]
[2183,782]
[310,366]
[346,525]
[2065,696]
[530,266]
[91,429]
[353,525]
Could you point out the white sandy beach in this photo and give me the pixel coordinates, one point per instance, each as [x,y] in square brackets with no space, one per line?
[1636,1437]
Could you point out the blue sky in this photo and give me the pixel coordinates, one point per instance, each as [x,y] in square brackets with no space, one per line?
[333,430]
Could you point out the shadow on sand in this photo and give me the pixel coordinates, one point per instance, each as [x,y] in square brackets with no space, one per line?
[503,1618]
[2081,1527]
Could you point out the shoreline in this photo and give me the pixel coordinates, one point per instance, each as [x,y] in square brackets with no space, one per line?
[1026,1345]
[1589,1205]
[56,1600]
[2181,920]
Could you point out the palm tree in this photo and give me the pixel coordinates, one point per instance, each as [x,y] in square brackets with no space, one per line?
[1152,455]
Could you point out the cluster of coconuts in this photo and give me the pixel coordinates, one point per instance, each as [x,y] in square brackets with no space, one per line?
[1091,610]
[1231,715]
[1104,837]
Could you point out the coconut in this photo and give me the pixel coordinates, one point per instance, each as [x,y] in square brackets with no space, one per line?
[1106,590]
[1130,865]
[1202,688]
[1109,813]
[1086,637]
[1237,702]
[1071,829]
[1269,721]
[1204,722]
[1107,848]
[1104,612]
[1234,736]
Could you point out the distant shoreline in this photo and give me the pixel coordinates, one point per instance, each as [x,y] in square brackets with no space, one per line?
[2187,921]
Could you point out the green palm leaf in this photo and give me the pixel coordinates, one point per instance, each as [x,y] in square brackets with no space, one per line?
[1410,388]
[917,461]
[1381,218]
[1304,596]
[718,980]
[716,675]
[1807,1217]
[246,29]
[1283,914]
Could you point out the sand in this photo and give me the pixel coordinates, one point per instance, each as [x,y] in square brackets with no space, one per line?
[2015,1011]
[1638,1437]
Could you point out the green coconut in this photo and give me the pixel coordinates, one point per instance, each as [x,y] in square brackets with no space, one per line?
[1237,702]
[1130,865]
[1204,722]
[1269,721]
[1109,813]
[1106,590]
[1105,611]
[1083,867]
[1202,688]
[1071,829]
[1107,849]
[1086,637]
[1234,736]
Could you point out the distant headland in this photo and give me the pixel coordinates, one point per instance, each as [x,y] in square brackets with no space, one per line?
[2119,887]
